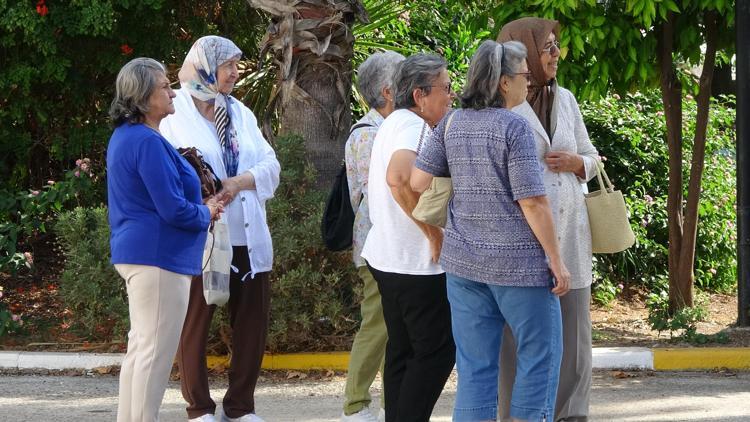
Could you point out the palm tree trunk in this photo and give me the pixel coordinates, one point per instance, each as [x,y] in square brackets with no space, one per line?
[312,45]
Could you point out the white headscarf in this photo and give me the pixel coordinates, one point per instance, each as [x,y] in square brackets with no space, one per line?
[199,76]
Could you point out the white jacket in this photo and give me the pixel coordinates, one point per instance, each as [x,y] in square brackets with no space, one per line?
[187,128]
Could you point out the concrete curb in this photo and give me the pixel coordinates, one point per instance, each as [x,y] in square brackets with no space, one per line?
[660,359]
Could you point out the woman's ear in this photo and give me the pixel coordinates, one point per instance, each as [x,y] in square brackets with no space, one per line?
[386,93]
[504,85]
[418,95]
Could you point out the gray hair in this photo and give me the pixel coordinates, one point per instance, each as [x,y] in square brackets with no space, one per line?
[491,61]
[418,71]
[376,73]
[135,83]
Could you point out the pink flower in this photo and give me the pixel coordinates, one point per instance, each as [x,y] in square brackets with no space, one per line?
[29,257]
[77,173]
[616,96]
[712,271]
[78,162]
[15,317]
[34,193]
[50,182]
[620,286]
[649,199]
[84,167]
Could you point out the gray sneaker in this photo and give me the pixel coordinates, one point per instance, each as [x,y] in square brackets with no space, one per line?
[363,415]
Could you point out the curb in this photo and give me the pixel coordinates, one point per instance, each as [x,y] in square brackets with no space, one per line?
[634,358]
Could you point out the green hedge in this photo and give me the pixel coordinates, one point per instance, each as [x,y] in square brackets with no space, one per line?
[630,133]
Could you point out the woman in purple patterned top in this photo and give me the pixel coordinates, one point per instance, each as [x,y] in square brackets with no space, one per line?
[500,252]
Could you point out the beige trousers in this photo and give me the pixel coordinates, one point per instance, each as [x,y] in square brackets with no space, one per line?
[157,303]
[574,389]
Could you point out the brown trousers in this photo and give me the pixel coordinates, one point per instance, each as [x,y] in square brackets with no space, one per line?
[248,309]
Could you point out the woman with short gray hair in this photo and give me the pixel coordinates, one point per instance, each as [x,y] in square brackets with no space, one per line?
[402,252]
[374,77]
[500,252]
[158,227]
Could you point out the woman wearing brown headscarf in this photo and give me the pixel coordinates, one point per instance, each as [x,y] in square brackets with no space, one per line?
[568,159]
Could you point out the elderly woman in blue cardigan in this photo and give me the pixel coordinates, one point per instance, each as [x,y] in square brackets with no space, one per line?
[158,228]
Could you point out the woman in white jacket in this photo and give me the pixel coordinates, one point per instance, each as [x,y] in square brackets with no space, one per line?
[226,133]
[568,159]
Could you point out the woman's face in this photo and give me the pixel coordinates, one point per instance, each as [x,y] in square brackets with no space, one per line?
[160,102]
[432,107]
[227,75]
[514,87]
[549,57]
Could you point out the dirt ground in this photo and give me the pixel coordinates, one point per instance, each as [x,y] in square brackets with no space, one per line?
[35,296]
[625,323]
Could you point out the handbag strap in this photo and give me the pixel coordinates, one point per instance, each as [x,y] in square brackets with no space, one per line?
[421,137]
[609,187]
[447,125]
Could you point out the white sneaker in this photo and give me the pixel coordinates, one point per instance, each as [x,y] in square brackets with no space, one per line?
[250,417]
[381,415]
[205,418]
[363,415]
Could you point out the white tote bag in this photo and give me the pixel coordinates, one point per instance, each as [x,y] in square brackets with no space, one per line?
[217,263]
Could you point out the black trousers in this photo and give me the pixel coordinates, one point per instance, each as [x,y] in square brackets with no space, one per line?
[420,352]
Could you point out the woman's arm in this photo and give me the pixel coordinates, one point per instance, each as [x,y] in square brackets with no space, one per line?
[583,161]
[539,216]
[420,180]
[397,177]
[162,181]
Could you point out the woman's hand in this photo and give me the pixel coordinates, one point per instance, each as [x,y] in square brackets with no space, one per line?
[564,161]
[561,275]
[215,207]
[436,243]
[232,186]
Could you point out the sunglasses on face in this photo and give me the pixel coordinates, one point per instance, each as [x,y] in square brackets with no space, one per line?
[445,88]
[551,47]
[526,75]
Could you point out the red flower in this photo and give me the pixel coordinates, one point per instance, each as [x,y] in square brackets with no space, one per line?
[41,8]
[126,50]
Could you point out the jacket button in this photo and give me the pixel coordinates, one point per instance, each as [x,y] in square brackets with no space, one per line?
[247,225]
[242,199]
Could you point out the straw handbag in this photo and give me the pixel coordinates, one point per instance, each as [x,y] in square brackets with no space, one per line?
[608,217]
[432,207]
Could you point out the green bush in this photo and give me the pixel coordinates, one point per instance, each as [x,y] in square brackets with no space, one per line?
[59,66]
[90,287]
[25,215]
[630,133]
[314,304]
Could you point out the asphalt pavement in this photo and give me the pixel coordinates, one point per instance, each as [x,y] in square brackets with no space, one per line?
[641,396]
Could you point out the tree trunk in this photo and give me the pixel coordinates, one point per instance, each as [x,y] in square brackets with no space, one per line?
[687,255]
[671,90]
[312,45]
[324,140]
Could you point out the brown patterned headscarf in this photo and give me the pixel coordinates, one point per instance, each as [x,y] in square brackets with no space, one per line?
[533,33]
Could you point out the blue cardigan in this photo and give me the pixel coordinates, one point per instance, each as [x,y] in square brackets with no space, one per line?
[156,214]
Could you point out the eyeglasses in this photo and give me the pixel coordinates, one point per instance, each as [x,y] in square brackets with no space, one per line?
[551,46]
[446,88]
[526,75]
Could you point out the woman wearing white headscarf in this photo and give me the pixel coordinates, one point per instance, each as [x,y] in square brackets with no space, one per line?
[226,133]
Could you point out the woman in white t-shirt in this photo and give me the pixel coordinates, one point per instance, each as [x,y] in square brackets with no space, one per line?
[402,253]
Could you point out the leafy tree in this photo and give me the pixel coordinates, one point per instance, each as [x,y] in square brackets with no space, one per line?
[60,60]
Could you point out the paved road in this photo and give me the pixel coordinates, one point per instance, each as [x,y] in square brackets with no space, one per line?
[642,397]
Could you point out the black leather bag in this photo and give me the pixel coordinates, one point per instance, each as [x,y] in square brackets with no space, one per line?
[338,216]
